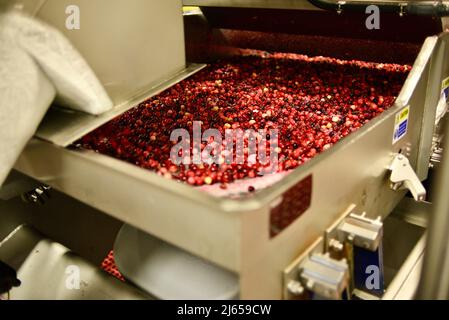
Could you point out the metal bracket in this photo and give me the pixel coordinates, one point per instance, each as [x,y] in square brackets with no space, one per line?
[39,195]
[361,231]
[340,6]
[293,289]
[401,9]
[326,277]
[314,275]
[437,151]
[404,176]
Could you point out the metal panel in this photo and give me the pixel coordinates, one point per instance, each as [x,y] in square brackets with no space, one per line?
[434,282]
[439,71]
[405,283]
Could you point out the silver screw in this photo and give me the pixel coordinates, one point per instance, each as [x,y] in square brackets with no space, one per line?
[295,288]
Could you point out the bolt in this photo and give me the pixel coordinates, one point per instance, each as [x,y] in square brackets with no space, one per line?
[351,237]
[295,288]
[336,245]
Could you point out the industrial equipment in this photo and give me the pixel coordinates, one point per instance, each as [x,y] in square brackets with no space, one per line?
[347,223]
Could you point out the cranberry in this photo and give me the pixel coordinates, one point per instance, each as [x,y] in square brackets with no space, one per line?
[312,101]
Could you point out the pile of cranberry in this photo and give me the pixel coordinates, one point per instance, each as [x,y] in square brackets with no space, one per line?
[312,101]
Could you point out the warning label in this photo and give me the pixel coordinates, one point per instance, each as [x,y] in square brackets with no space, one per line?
[445,88]
[401,124]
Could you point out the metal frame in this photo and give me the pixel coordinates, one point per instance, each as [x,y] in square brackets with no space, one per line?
[434,282]
[418,7]
[234,233]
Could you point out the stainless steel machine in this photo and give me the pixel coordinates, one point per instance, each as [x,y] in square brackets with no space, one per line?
[175,237]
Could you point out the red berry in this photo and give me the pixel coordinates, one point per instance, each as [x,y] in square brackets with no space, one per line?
[313,102]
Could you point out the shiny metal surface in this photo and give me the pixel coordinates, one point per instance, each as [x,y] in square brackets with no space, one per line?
[47,271]
[88,232]
[232,233]
[402,257]
[64,126]
[404,285]
[325,276]
[412,212]
[167,272]
[361,232]
[439,70]
[434,282]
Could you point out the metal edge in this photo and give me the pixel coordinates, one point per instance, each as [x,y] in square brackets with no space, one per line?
[144,175]
[63,126]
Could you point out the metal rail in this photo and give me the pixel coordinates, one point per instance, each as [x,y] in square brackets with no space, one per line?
[434,282]
[423,8]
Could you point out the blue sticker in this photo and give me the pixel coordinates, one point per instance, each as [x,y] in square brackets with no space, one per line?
[401,124]
[445,88]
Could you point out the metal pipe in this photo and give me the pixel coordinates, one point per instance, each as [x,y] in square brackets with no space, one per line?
[434,283]
[422,8]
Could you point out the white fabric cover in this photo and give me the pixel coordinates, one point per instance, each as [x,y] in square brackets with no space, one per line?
[37,65]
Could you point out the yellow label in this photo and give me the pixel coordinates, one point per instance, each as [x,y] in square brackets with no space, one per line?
[403,114]
[445,83]
[401,124]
